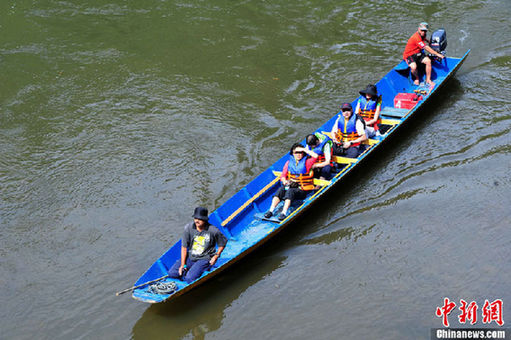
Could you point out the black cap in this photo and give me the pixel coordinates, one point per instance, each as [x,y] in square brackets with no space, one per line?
[346,106]
[201,213]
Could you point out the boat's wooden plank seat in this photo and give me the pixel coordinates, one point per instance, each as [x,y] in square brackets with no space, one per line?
[317,181]
[386,121]
[343,160]
[393,112]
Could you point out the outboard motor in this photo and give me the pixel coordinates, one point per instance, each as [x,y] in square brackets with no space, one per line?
[439,41]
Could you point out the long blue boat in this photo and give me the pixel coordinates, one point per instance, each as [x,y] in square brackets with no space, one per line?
[240,217]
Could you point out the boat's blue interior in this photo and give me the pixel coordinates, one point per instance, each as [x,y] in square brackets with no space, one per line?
[241,224]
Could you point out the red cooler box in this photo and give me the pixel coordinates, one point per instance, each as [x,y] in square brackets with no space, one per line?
[406,100]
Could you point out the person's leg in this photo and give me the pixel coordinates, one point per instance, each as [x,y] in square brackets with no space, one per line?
[196,269]
[352,152]
[426,61]
[377,131]
[292,195]
[276,200]
[413,69]
[337,149]
[288,198]
[370,132]
[287,204]
[326,172]
[174,270]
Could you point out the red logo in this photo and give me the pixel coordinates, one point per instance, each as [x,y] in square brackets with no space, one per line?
[445,310]
[491,311]
[469,312]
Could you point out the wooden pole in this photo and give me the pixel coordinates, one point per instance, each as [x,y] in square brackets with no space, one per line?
[140,285]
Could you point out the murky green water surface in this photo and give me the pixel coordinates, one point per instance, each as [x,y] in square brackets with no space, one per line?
[118,117]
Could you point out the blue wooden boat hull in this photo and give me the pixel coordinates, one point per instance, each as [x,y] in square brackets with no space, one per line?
[239,218]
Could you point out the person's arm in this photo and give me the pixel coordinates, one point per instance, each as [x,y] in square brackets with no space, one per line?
[328,154]
[376,114]
[361,133]
[217,255]
[432,51]
[309,163]
[357,108]
[184,254]
[221,242]
[333,133]
[327,151]
[283,176]
[308,152]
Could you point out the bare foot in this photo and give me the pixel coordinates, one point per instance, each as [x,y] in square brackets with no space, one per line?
[416,82]
[430,83]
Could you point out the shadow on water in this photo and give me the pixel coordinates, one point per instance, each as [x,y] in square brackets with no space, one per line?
[202,310]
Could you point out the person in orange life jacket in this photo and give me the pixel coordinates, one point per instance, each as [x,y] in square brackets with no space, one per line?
[369,107]
[348,132]
[414,53]
[322,146]
[198,247]
[296,178]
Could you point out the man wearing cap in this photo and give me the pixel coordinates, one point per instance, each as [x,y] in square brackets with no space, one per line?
[198,247]
[348,133]
[414,53]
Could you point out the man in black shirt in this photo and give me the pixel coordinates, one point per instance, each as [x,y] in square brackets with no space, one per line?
[198,247]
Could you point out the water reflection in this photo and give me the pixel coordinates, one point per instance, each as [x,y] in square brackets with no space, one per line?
[202,310]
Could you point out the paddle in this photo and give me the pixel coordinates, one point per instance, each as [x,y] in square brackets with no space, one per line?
[141,285]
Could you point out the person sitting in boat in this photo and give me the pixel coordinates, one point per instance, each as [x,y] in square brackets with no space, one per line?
[322,146]
[369,107]
[414,53]
[198,247]
[348,132]
[297,179]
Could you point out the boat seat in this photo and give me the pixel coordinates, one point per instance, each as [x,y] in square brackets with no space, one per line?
[344,160]
[394,112]
[386,121]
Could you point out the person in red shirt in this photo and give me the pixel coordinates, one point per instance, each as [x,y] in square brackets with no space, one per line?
[414,53]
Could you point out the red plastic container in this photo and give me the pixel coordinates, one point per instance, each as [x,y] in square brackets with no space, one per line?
[406,100]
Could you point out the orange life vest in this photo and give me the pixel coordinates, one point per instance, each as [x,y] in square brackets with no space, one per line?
[297,172]
[368,109]
[347,131]
[324,140]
